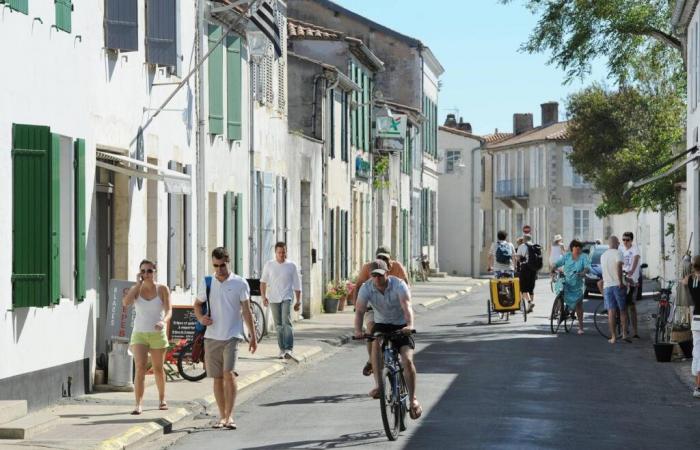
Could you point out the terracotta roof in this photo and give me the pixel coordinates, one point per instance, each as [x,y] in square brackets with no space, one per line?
[554,132]
[297,29]
[461,133]
[496,137]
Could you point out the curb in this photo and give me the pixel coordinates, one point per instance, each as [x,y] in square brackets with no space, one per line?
[439,301]
[162,425]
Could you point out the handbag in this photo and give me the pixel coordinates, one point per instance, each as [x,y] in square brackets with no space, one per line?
[200,330]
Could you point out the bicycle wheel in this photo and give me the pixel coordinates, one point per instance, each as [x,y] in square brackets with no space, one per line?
[188,369]
[661,320]
[555,318]
[258,322]
[389,404]
[403,403]
[600,319]
[569,318]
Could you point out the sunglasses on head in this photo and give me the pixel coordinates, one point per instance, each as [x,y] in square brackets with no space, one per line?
[219,265]
[148,270]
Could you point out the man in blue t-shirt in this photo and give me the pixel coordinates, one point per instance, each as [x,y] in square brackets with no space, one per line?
[390,299]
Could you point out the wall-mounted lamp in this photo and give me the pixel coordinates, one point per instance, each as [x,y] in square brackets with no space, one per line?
[36,19]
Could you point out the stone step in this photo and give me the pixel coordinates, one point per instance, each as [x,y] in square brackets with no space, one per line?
[28,426]
[12,410]
[438,274]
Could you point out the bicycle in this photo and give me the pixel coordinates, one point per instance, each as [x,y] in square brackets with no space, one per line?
[560,311]
[192,369]
[663,312]
[393,400]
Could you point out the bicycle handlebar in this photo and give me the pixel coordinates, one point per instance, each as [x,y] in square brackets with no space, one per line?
[371,337]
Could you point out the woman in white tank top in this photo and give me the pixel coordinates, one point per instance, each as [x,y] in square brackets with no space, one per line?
[153,311]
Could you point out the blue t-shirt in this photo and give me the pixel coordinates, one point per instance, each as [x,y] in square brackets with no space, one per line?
[386,306]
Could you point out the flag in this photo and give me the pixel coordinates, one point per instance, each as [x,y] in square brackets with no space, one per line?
[265,18]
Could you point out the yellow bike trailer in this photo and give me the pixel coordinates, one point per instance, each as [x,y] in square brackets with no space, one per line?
[505,297]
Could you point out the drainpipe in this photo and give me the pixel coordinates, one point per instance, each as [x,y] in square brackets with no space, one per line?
[475,200]
[251,162]
[200,150]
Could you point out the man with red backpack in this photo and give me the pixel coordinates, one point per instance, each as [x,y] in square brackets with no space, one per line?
[530,258]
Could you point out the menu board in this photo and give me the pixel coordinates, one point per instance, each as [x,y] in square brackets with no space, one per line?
[182,323]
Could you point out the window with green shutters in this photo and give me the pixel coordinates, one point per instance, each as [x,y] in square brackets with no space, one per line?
[215,67]
[233,87]
[35,217]
[64,11]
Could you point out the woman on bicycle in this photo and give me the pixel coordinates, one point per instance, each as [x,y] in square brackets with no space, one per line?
[153,311]
[575,265]
[693,283]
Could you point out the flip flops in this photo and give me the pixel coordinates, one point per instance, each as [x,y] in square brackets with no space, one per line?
[219,424]
[231,425]
[136,412]
[163,406]
[374,393]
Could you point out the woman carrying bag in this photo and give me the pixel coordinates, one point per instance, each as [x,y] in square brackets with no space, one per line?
[693,283]
[153,312]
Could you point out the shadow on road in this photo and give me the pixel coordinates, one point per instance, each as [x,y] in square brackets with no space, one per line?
[340,398]
[345,440]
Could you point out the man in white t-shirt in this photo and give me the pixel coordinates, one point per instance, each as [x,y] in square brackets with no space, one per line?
[501,255]
[280,283]
[228,301]
[632,267]
[614,288]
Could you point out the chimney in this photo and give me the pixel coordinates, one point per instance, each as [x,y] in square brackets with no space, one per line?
[550,113]
[464,126]
[451,122]
[522,122]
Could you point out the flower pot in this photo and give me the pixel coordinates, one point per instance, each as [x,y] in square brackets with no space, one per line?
[663,351]
[687,348]
[330,305]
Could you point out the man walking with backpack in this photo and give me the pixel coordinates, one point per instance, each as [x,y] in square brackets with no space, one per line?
[501,256]
[530,258]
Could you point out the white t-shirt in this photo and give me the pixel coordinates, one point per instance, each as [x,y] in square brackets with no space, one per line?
[499,266]
[282,279]
[608,264]
[225,299]
[522,253]
[628,259]
[555,254]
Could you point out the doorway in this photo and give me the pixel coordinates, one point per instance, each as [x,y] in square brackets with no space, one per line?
[104,188]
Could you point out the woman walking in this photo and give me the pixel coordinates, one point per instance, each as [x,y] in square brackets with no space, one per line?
[556,250]
[693,283]
[575,264]
[153,311]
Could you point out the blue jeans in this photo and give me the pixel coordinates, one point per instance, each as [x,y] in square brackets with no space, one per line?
[282,315]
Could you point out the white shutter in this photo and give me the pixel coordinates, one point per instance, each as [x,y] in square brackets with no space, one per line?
[567,170]
[567,218]
[282,65]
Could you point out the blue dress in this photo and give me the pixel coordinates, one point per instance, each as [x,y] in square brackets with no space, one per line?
[573,283]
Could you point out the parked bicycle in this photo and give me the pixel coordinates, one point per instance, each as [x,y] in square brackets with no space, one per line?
[193,369]
[393,392]
[560,312]
[664,318]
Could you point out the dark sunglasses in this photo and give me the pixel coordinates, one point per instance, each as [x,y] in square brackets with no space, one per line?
[377,275]
[222,265]
[148,270]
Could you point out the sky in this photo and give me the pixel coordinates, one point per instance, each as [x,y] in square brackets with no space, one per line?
[487,78]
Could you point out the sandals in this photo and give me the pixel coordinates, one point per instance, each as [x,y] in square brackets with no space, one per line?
[367,370]
[220,424]
[137,411]
[415,411]
[374,393]
[163,406]
[230,424]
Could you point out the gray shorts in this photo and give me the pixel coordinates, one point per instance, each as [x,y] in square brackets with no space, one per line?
[220,356]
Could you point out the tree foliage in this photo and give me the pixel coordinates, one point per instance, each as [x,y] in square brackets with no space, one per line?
[622,135]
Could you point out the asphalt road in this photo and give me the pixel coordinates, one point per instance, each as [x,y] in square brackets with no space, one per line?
[501,386]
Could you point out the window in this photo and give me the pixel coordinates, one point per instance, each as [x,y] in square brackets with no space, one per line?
[215,68]
[64,10]
[482,175]
[179,236]
[48,217]
[452,159]
[331,108]
[121,25]
[581,223]
[233,229]
[578,180]
[161,32]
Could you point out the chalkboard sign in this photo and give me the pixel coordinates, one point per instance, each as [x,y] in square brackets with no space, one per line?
[182,323]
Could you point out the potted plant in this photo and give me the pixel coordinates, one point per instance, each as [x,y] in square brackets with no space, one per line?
[335,291]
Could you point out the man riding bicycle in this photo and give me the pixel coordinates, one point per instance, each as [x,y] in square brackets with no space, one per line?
[390,299]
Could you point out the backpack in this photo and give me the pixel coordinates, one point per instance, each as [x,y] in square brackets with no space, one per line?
[198,339]
[534,257]
[504,254]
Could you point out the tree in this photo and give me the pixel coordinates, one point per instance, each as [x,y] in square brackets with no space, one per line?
[622,135]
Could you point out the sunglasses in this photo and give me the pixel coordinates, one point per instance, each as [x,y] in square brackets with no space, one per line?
[148,270]
[377,275]
[626,239]
[222,265]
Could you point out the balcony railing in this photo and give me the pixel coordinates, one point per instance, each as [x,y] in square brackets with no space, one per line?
[515,188]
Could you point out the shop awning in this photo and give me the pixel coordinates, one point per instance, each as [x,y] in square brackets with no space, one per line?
[692,155]
[175,182]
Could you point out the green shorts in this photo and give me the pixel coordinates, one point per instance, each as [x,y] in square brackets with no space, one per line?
[151,339]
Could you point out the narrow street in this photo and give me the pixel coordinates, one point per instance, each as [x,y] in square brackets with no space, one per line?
[507,385]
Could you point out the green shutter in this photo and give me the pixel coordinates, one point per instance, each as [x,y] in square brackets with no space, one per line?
[31,231]
[64,10]
[435,128]
[233,87]
[353,110]
[80,241]
[18,5]
[216,82]
[55,219]
[239,235]
[365,108]
[228,208]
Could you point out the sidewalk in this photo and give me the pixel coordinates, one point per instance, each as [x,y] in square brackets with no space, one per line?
[101,420]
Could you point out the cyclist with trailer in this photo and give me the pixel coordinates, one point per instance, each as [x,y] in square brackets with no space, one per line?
[390,300]
[575,265]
